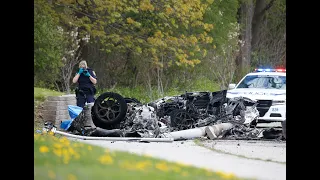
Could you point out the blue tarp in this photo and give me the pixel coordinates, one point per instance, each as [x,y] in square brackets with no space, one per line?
[74,111]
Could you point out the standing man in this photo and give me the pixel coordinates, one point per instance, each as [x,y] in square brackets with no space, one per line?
[86,79]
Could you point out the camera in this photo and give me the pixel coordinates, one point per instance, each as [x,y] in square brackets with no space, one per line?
[85,71]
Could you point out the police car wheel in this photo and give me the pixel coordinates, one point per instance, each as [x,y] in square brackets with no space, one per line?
[108,109]
[284,129]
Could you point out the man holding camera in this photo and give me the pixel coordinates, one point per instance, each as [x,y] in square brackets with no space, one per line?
[86,79]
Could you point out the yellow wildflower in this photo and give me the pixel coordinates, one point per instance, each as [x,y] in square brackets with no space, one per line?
[66,156]
[106,159]
[89,148]
[71,151]
[72,177]
[162,166]
[51,174]
[65,141]
[57,152]
[225,175]
[125,165]
[58,146]
[44,149]
[142,165]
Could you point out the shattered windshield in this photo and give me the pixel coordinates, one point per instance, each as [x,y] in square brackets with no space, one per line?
[263,81]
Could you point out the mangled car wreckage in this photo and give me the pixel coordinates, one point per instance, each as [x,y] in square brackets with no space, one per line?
[186,116]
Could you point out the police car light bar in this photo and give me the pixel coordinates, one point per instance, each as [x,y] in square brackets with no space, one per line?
[270,70]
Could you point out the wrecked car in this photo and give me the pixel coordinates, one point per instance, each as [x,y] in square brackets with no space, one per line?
[179,117]
[189,110]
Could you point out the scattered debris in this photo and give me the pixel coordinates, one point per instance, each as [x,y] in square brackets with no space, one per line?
[187,116]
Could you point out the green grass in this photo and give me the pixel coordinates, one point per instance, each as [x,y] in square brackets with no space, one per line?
[59,158]
[40,94]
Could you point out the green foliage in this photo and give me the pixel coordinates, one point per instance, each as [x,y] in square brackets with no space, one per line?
[47,43]
[40,94]
[150,29]
[223,14]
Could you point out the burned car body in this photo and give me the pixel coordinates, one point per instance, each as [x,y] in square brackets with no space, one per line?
[175,113]
[183,111]
[185,116]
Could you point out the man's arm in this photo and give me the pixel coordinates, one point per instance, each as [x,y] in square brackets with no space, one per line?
[93,77]
[93,80]
[75,78]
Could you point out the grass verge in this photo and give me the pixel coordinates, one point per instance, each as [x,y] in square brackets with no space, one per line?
[40,94]
[60,158]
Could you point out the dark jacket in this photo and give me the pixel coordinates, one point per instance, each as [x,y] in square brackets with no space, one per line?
[85,84]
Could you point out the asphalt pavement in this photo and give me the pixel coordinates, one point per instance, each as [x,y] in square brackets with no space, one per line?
[263,160]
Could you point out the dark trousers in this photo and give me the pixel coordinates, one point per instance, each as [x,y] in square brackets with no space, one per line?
[82,98]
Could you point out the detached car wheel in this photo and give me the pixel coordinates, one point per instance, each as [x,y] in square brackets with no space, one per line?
[109,110]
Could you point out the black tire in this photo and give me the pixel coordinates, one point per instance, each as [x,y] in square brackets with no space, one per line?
[109,109]
[271,133]
[284,129]
[181,118]
[132,100]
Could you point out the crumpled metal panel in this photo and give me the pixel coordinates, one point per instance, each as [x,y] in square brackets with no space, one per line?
[204,108]
[142,120]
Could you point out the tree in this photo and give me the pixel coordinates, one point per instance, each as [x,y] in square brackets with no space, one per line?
[47,45]
[257,35]
[222,63]
[270,45]
[160,33]
[72,54]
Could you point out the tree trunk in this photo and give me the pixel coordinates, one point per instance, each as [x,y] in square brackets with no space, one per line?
[257,21]
[244,57]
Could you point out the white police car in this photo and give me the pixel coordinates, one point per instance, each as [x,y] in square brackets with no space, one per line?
[268,88]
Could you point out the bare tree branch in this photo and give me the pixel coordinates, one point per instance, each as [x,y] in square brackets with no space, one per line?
[268,6]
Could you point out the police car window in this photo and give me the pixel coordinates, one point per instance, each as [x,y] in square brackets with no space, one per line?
[263,81]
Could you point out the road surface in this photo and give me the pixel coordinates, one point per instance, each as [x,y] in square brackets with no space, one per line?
[263,160]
